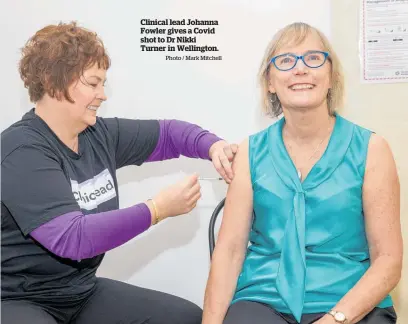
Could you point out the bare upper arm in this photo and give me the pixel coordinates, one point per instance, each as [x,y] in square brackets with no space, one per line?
[237,216]
[381,201]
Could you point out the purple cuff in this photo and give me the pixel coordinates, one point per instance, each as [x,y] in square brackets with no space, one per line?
[182,138]
[77,236]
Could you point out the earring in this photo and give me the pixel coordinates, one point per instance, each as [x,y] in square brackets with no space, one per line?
[273,97]
[276,104]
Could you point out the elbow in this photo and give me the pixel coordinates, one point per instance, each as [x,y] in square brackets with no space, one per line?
[64,236]
[65,255]
[397,272]
[395,278]
[392,266]
[72,244]
[69,254]
[230,252]
[69,250]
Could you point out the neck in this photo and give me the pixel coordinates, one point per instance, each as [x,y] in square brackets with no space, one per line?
[54,114]
[306,125]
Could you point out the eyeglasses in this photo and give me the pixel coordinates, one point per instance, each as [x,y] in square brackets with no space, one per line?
[287,61]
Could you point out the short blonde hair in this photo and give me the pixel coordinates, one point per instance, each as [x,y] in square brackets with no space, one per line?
[295,34]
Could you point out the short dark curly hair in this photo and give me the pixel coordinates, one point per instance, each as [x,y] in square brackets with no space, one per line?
[56,56]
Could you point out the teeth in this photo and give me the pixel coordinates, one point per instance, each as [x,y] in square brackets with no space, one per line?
[301,86]
[93,108]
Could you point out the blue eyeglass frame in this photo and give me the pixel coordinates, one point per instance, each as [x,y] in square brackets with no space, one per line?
[299,57]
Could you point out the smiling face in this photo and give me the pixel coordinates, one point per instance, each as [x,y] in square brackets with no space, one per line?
[87,94]
[64,66]
[302,87]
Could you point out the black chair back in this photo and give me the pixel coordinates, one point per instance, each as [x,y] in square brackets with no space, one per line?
[211,227]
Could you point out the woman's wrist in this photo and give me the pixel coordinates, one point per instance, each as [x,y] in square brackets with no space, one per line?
[154,212]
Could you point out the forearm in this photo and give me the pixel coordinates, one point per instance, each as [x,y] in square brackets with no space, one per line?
[221,285]
[382,276]
[77,236]
[182,138]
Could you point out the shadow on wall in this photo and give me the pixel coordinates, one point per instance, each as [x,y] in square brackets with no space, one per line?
[136,255]
[172,233]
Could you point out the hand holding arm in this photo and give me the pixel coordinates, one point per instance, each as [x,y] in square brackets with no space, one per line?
[182,138]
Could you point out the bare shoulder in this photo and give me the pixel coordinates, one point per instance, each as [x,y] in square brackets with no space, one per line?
[379,153]
[243,147]
[378,144]
[241,157]
[380,166]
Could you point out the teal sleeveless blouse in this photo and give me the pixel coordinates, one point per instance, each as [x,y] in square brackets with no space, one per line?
[308,244]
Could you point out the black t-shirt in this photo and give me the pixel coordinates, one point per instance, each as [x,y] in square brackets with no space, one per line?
[41,178]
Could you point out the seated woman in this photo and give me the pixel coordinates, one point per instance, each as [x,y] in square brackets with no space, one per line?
[325,238]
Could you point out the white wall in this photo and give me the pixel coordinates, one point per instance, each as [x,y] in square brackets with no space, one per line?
[219,95]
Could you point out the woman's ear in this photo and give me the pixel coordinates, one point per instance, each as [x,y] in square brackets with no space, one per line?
[271,86]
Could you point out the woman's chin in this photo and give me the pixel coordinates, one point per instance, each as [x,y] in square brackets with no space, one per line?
[90,120]
[303,105]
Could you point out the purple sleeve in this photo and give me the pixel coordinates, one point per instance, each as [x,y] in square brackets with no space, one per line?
[182,138]
[77,236]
